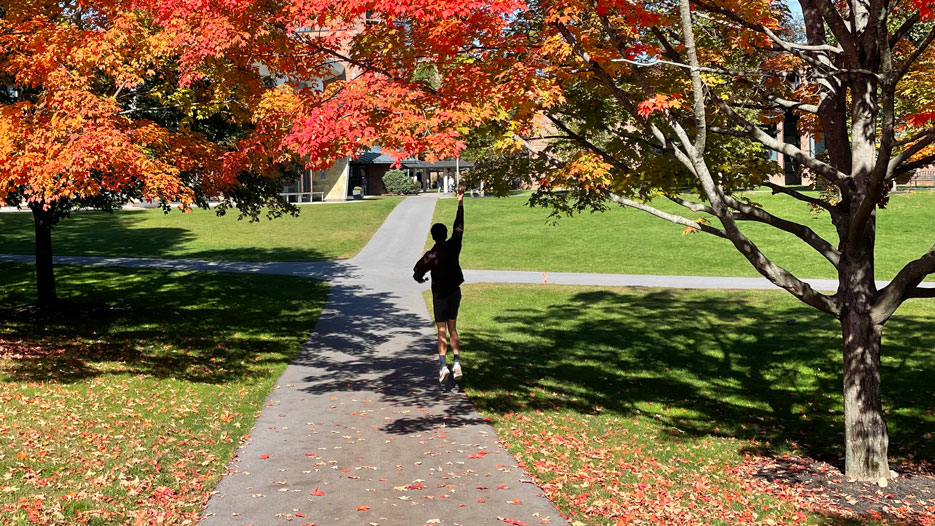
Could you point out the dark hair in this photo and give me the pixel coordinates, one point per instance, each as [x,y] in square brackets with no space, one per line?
[439,232]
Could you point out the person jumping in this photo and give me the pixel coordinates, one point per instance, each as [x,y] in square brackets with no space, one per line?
[442,261]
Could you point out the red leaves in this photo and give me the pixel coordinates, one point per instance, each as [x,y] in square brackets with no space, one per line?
[660,102]
[264,456]
[363,508]
[318,493]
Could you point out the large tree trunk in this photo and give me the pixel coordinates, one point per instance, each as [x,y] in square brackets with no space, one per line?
[865,425]
[45,275]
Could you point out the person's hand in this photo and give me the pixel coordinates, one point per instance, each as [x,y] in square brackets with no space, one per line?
[461,193]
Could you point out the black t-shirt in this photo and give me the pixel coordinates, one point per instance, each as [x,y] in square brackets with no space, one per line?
[442,260]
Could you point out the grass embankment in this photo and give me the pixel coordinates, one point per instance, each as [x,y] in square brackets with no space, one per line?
[131,412]
[321,232]
[649,404]
[507,234]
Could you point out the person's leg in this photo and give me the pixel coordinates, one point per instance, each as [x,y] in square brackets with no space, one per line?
[442,341]
[453,335]
[442,351]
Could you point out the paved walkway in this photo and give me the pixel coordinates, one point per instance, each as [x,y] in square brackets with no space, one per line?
[358,431]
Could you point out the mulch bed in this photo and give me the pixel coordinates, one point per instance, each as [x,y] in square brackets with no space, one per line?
[821,488]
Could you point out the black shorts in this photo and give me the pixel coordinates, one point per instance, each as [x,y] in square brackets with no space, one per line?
[446,307]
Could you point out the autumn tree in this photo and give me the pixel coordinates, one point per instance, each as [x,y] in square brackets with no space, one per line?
[667,100]
[662,97]
[95,111]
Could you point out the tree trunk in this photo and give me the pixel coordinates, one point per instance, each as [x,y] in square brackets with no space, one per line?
[865,425]
[45,275]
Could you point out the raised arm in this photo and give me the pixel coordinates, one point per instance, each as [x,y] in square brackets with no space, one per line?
[458,229]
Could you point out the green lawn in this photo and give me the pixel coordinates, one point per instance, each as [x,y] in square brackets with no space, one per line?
[321,232]
[132,412]
[506,234]
[618,400]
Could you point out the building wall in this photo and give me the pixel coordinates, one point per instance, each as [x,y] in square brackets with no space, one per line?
[375,173]
[334,182]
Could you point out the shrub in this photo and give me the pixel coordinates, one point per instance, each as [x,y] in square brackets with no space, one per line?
[397,182]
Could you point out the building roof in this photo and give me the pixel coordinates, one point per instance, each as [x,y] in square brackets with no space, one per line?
[376,156]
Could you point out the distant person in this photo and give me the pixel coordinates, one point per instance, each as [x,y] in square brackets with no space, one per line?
[442,261]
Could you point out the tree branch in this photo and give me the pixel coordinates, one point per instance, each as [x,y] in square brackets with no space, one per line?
[752,132]
[903,286]
[800,231]
[609,159]
[672,218]
[780,189]
[907,64]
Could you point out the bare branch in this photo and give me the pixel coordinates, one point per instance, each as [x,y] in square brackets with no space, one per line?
[904,28]
[907,64]
[838,28]
[672,218]
[914,165]
[907,153]
[803,51]
[780,189]
[754,213]
[903,286]
[752,131]
[694,207]
[609,159]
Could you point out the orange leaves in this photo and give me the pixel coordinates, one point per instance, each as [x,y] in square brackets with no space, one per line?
[660,102]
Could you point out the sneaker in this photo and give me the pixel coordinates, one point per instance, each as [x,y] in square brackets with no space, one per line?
[443,375]
[456,369]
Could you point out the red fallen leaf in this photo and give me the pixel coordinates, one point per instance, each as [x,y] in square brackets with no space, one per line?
[481,501]
[363,508]
[264,456]
[514,522]
[480,487]
[502,486]
[310,454]
[318,493]
[300,515]
[307,524]
[515,501]
[417,485]
[382,480]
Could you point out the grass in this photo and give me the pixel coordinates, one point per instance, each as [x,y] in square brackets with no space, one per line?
[621,400]
[507,234]
[132,412]
[321,232]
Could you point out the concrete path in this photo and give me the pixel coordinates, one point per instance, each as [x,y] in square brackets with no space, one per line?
[358,431]
[327,270]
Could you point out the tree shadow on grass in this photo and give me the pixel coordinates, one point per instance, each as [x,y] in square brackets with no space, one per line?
[201,327]
[121,233]
[724,364]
